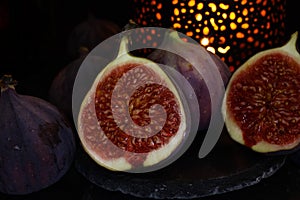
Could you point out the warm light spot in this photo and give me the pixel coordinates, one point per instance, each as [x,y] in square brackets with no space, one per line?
[183,10]
[176,11]
[176,25]
[206,13]
[251,9]
[213,7]
[149,37]
[250,39]
[233,26]
[204,41]
[244,2]
[197,30]
[255,31]
[206,30]
[223,50]
[212,21]
[186,26]
[222,40]
[211,40]
[189,21]
[159,6]
[154,44]
[240,35]
[223,28]
[263,13]
[198,17]
[192,11]
[224,6]
[220,21]
[211,49]
[268,25]
[245,26]
[200,6]
[239,20]
[258,1]
[175,2]
[245,12]
[153,2]
[191,3]
[153,32]
[224,15]
[158,16]
[232,15]
[190,33]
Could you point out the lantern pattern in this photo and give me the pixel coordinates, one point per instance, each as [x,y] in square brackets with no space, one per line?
[234,30]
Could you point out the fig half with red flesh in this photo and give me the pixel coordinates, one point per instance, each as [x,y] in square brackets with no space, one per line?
[261,105]
[133,117]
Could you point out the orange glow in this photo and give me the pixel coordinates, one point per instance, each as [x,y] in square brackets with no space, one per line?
[263,13]
[245,12]
[175,2]
[204,41]
[200,6]
[159,6]
[245,26]
[240,35]
[213,7]
[223,50]
[206,30]
[191,3]
[232,16]
[158,16]
[176,11]
[233,26]
[176,25]
[190,33]
[198,17]
[223,6]
[211,49]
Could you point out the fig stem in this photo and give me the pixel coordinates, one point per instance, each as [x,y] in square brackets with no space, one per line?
[291,45]
[6,82]
[123,49]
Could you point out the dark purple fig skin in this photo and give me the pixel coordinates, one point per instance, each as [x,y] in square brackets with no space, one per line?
[194,78]
[61,88]
[37,145]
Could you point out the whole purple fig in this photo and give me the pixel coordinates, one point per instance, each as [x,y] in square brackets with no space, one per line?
[196,67]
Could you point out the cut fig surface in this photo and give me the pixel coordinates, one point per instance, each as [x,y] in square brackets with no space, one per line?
[133,118]
[261,104]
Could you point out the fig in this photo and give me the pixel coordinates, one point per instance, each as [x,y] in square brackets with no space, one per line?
[134,117]
[37,145]
[61,88]
[89,33]
[196,64]
[261,104]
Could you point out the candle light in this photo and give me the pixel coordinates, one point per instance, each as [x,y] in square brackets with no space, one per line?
[234,30]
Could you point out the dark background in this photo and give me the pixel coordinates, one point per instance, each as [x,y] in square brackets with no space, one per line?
[34,34]
[33,39]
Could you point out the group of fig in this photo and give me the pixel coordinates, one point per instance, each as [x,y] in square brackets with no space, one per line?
[140,112]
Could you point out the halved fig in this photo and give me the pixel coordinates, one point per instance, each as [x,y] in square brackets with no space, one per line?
[261,105]
[133,118]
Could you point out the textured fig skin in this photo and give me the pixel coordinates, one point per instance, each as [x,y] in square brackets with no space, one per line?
[61,88]
[37,144]
[194,78]
[281,76]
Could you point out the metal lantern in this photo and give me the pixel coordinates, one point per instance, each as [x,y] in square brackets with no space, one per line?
[232,29]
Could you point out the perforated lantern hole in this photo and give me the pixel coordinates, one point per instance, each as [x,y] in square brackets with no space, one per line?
[235,30]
